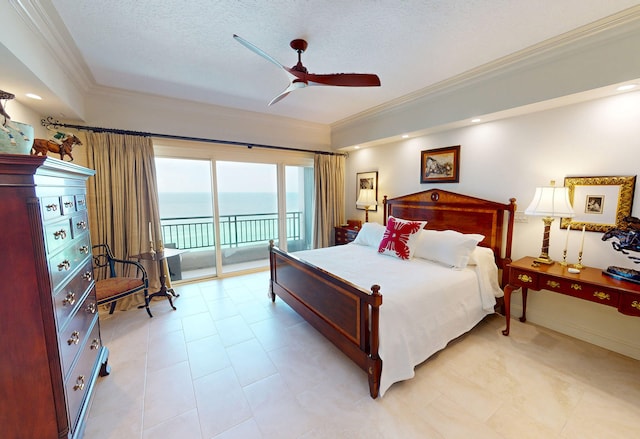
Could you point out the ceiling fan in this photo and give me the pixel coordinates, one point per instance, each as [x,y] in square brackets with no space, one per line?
[302,78]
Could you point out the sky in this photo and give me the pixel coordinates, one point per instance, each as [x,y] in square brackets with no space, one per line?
[187,175]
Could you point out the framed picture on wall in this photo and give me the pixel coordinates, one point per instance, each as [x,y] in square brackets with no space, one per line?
[367,181]
[599,203]
[441,165]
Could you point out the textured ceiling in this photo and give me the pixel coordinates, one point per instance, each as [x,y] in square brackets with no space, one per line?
[184,49]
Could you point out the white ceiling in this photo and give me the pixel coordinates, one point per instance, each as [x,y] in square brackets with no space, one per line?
[184,49]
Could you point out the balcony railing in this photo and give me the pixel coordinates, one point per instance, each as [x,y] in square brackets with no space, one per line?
[235,230]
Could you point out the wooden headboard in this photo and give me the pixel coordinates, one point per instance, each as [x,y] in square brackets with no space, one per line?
[450,211]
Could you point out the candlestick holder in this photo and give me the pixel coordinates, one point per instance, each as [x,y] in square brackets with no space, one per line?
[564,258]
[151,250]
[579,264]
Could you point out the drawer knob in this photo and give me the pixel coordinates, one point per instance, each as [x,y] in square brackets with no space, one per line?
[95,344]
[86,275]
[82,225]
[74,339]
[576,287]
[52,207]
[69,299]
[64,265]
[79,383]
[81,202]
[84,249]
[525,278]
[602,296]
[60,234]
[553,283]
[635,304]
[68,204]
[92,308]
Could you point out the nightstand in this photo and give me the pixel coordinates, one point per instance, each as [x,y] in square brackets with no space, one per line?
[344,235]
[590,284]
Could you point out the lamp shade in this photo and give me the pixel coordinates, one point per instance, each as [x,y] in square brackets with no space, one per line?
[366,198]
[551,201]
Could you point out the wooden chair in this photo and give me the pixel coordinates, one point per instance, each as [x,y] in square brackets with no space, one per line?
[115,287]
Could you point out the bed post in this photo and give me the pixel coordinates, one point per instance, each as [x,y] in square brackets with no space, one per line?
[385,213]
[272,264]
[507,256]
[374,368]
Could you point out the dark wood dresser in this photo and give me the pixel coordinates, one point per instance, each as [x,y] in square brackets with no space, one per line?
[344,235]
[51,352]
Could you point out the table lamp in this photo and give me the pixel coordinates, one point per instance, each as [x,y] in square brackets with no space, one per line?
[549,202]
[366,199]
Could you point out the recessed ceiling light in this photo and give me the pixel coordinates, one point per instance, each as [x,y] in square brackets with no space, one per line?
[33,96]
[476,120]
[626,87]
[405,136]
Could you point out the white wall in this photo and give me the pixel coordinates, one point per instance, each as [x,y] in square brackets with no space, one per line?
[509,158]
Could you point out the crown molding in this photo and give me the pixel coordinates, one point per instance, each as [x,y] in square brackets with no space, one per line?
[45,23]
[598,31]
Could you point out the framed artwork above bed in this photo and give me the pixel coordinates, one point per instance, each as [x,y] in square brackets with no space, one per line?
[441,165]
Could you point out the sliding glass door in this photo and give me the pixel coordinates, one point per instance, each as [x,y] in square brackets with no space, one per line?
[224,207]
[186,216]
[248,213]
[299,207]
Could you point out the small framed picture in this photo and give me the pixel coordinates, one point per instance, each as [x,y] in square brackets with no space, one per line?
[441,165]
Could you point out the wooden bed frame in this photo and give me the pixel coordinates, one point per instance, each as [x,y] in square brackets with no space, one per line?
[349,315]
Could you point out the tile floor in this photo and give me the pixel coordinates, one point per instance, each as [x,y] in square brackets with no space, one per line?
[230,364]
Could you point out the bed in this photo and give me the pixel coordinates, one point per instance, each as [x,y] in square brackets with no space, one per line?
[338,289]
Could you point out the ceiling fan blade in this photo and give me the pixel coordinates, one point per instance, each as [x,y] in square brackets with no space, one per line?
[343,79]
[257,50]
[295,84]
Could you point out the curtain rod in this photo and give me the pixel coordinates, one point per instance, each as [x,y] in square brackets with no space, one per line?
[51,122]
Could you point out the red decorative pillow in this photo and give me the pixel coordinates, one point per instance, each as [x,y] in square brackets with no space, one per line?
[399,237]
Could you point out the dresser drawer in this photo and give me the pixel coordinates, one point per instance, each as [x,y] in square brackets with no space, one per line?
[81,202]
[630,304]
[344,235]
[68,204]
[69,295]
[62,264]
[50,207]
[74,335]
[523,279]
[79,224]
[597,294]
[79,380]
[57,235]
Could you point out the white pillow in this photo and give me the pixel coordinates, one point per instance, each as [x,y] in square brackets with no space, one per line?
[370,235]
[479,254]
[447,247]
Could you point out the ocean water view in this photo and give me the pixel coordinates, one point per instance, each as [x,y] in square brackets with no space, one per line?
[191,204]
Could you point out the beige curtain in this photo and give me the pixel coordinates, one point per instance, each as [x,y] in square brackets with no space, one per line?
[123,199]
[329,191]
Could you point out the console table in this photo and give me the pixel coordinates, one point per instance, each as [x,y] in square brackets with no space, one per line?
[590,284]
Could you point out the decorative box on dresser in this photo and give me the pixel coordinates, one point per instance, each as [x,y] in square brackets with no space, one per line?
[51,352]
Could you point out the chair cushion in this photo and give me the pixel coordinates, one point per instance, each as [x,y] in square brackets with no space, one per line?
[114,286]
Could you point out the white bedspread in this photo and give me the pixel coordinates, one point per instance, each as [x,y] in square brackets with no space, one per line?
[424,305]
